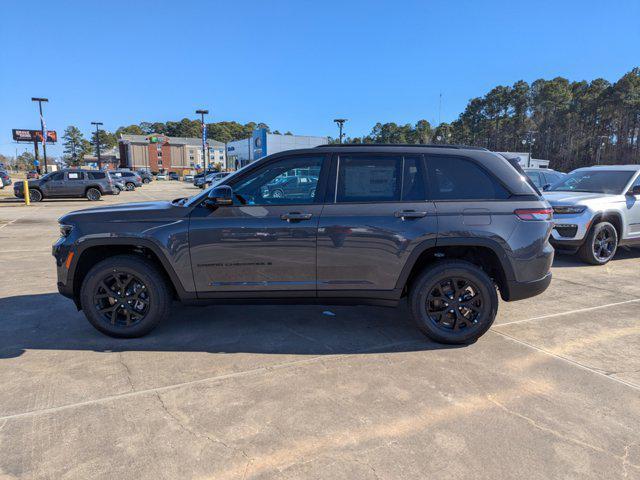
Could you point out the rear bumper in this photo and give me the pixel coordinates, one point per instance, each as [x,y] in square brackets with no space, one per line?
[521,290]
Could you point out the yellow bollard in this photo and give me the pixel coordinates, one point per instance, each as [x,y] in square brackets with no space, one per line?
[25,187]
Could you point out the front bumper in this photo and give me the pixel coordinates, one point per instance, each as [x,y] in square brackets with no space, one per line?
[61,251]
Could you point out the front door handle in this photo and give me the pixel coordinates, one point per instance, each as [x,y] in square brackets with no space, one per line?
[295,216]
[405,214]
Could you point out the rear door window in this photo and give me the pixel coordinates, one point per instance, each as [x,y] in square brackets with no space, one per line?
[75,176]
[457,178]
[96,175]
[380,178]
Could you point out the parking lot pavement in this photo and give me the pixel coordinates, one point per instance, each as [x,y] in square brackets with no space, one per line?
[551,391]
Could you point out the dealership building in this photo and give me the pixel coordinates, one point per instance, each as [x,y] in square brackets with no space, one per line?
[160,153]
[262,143]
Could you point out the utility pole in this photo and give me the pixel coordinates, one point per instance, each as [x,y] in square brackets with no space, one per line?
[340,122]
[601,144]
[43,130]
[202,113]
[97,124]
[440,110]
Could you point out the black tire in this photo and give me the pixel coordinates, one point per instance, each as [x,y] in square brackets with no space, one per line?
[154,286]
[600,245]
[277,193]
[35,195]
[93,194]
[145,180]
[130,186]
[469,319]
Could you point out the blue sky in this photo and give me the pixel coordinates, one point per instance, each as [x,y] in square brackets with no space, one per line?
[295,65]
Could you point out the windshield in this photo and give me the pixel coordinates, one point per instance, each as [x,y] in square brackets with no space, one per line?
[595,181]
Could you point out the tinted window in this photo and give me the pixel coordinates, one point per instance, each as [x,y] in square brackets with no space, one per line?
[96,175]
[369,179]
[454,178]
[57,176]
[75,176]
[277,183]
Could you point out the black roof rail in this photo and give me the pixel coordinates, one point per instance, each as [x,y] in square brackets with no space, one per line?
[430,145]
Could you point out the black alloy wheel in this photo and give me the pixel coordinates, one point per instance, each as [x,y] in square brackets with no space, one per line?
[453,301]
[454,304]
[122,299]
[130,186]
[125,296]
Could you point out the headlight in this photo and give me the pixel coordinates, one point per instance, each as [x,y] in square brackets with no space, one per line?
[65,230]
[569,209]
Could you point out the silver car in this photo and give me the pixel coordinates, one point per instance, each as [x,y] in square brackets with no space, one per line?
[595,210]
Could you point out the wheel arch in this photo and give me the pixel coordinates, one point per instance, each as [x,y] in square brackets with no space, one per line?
[486,253]
[92,251]
[613,217]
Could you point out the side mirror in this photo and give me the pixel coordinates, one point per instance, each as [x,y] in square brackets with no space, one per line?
[546,187]
[220,195]
[635,190]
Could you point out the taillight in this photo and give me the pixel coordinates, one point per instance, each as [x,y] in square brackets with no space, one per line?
[534,213]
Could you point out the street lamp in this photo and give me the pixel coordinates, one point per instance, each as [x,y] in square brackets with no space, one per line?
[202,113]
[97,124]
[601,145]
[42,130]
[340,122]
[530,139]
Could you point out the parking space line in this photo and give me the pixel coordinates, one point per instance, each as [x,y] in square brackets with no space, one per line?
[19,218]
[579,310]
[565,359]
[244,373]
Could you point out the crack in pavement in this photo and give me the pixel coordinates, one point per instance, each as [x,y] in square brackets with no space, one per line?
[562,436]
[127,371]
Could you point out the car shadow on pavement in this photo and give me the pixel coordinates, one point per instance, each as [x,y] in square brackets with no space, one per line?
[564,260]
[51,322]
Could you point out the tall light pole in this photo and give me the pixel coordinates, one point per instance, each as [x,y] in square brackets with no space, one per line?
[340,122]
[529,139]
[202,113]
[97,124]
[42,130]
[601,144]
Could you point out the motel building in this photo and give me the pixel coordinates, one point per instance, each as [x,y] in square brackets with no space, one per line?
[160,153]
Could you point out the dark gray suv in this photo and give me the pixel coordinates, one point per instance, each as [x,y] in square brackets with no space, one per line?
[71,183]
[445,227]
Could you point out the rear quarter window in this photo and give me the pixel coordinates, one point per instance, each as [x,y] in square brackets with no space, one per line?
[457,178]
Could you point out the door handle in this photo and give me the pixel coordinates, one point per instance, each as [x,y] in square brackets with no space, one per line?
[405,214]
[295,216]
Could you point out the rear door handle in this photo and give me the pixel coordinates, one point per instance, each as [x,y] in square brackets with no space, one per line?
[295,216]
[405,214]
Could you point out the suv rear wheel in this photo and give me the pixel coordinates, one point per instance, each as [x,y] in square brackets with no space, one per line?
[130,186]
[453,302]
[145,180]
[125,296]
[601,244]
[93,194]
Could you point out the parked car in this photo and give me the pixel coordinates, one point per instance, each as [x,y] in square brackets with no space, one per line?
[447,228]
[130,179]
[145,175]
[291,187]
[161,176]
[173,176]
[595,210]
[32,175]
[118,186]
[5,179]
[188,178]
[543,178]
[210,179]
[67,184]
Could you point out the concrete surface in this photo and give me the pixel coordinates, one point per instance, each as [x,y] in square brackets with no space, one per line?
[551,391]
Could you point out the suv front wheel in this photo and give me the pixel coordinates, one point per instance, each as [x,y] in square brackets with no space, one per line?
[453,302]
[93,194]
[125,296]
[601,244]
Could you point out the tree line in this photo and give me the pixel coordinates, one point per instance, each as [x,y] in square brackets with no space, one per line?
[573,124]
